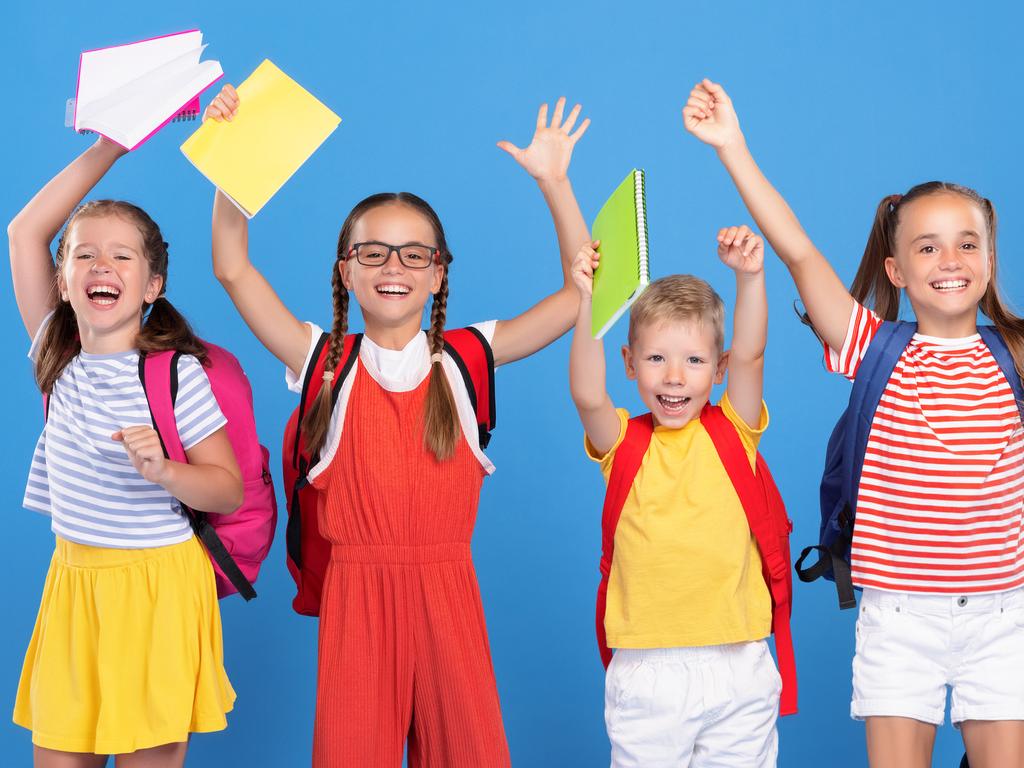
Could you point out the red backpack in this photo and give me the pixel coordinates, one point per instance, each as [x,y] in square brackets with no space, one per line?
[237,543]
[308,551]
[766,515]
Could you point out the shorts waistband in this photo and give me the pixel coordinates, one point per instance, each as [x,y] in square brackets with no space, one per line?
[400,554]
[685,655]
[944,605]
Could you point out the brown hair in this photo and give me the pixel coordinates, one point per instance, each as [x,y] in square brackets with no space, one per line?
[872,284]
[164,327]
[441,428]
[679,298]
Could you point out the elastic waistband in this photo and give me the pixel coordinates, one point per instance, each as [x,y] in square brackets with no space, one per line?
[75,555]
[400,554]
[944,605]
[685,655]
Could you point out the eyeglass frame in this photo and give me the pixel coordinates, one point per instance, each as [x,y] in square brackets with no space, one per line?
[435,255]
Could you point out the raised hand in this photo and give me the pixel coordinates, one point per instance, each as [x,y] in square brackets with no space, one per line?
[145,452]
[224,105]
[741,250]
[583,267]
[547,157]
[709,115]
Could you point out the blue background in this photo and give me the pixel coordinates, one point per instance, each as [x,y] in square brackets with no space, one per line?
[841,105]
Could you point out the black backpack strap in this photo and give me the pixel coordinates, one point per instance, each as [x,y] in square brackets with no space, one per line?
[486,419]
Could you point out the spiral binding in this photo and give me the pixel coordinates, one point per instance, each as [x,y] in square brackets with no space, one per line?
[641,227]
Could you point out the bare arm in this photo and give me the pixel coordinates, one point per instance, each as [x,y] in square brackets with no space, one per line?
[30,232]
[547,160]
[210,482]
[709,115]
[743,252]
[284,335]
[587,363]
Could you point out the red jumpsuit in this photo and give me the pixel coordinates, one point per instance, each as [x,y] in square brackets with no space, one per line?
[403,645]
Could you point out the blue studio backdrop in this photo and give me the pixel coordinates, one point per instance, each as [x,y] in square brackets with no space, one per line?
[841,104]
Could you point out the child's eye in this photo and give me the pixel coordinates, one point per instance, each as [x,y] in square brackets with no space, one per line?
[928,249]
[694,360]
[969,246]
[83,255]
[655,358]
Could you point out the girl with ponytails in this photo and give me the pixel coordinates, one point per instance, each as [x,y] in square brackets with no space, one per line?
[126,658]
[937,541]
[403,651]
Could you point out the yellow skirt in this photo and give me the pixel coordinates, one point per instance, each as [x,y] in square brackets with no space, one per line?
[126,653]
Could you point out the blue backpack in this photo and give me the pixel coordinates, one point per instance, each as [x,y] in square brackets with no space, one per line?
[844,457]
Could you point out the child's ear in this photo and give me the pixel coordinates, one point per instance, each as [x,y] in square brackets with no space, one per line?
[346,273]
[627,358]
[723,366]
[893,271]
[62,287]
[156,284]
[435,284]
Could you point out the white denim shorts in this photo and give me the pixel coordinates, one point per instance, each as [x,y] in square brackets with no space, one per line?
[708,707]
[910,647]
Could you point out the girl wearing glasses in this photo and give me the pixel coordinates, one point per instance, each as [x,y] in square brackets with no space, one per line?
[403,646]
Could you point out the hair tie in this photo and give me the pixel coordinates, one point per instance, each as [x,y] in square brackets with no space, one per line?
[435,358]
[894,200]
[328,375]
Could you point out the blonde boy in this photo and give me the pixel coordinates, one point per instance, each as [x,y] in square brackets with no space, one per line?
[692,682]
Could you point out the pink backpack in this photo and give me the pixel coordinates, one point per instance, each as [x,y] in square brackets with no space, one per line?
[237,543]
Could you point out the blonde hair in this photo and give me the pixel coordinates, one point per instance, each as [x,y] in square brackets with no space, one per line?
[679,298]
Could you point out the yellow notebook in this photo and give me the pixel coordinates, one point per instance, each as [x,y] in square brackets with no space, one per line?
[278,126]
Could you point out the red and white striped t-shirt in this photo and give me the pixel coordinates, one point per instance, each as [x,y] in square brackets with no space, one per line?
[939,507]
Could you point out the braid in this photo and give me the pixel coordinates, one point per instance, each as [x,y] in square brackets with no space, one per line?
[318,417]
[441,427]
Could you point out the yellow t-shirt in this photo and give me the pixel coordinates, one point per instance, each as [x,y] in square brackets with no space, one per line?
[686,570]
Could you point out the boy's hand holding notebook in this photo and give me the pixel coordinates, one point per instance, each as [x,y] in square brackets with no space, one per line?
[277,127]
[623,273]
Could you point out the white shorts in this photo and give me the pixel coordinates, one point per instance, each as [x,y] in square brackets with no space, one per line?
[911,646]
[708,707]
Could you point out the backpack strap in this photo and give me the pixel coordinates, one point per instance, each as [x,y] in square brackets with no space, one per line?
[994,341]
[474,358]
[311,384]
[628,458]
[873,374]
[158,373]
[750,487]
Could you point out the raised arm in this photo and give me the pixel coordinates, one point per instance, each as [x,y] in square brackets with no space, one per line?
[547,160]
[284,335]
[743,252]
[587,363]
[709,115]
[30,232]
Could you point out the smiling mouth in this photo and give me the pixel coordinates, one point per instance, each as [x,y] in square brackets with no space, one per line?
[104,295]
[673,404]
[393,290]
[949,285]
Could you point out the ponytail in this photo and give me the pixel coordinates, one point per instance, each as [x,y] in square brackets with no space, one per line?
[871,285]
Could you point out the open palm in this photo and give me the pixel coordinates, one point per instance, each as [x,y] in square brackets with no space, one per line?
[547,157]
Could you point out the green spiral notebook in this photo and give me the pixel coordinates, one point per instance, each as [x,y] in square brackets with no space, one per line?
[624,272]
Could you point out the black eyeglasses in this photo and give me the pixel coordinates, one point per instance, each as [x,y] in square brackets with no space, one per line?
[412,256]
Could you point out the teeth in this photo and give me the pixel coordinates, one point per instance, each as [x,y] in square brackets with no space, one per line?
[103,294]
[393,290]
[949,285]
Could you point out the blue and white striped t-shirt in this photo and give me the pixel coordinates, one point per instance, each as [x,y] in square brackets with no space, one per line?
[84,480]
